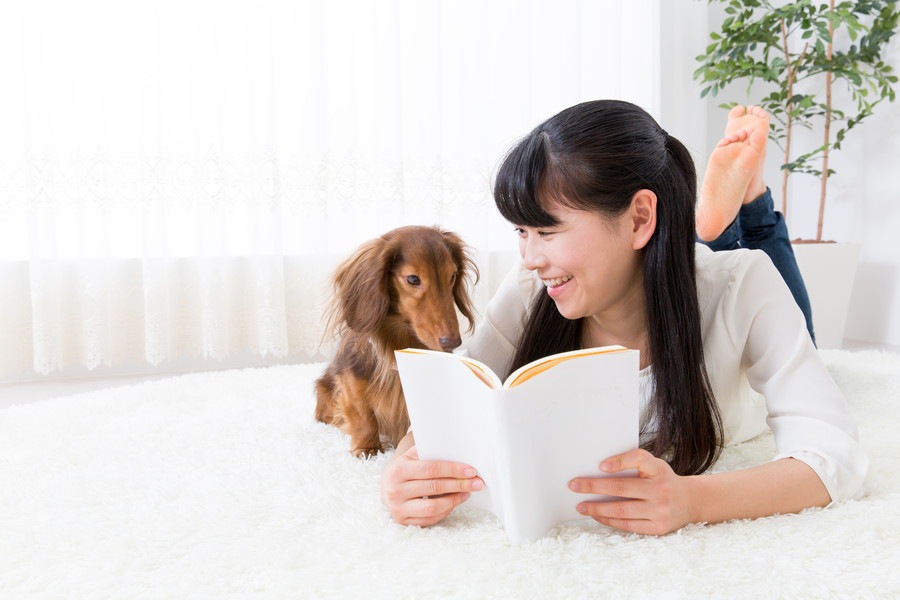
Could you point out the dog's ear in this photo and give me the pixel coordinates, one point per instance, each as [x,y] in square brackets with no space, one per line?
[361,287]
[467,275]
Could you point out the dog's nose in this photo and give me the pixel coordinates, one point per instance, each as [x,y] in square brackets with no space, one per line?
[449,343]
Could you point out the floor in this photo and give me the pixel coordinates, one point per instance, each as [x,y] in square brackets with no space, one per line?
[35,391]
[23,393]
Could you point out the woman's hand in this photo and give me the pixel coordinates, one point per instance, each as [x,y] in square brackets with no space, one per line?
[658,500]
[422,492]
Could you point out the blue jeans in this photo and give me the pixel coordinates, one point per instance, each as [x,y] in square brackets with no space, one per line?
[760,227]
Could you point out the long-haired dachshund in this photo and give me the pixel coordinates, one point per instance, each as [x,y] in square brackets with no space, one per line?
[400,290]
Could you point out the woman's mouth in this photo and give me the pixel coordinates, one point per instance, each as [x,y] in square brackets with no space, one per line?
[556,281]
[555,285]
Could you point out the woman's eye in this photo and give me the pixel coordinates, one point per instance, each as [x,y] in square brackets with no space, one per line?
[413,280]
[520,231]
[453,279]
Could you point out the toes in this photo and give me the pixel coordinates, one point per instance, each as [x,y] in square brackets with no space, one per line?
[758,111]
[736,112]
[731,138]
[758,139]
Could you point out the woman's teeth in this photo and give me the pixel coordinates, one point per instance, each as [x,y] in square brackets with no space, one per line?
[556,281]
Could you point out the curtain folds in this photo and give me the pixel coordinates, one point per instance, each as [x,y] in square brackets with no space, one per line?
[178,178]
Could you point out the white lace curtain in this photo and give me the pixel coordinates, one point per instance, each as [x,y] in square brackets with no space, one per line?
[178,177]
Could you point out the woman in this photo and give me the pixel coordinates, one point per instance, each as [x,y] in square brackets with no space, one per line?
[603,202]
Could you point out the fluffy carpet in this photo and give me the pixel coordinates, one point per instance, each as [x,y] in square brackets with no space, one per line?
[221,485]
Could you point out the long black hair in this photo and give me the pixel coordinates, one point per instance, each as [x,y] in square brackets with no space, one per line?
[596,156]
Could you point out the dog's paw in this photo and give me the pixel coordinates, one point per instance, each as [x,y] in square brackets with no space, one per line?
[365,453]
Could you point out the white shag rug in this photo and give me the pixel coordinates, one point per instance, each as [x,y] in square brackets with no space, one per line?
[222,485]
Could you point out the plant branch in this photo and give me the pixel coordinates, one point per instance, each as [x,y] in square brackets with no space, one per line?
[792,73]
[755,45]
[828,82]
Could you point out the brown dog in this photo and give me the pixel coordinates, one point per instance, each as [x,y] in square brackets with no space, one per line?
[400,290]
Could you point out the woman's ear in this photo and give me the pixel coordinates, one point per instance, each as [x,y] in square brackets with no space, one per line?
[643,218]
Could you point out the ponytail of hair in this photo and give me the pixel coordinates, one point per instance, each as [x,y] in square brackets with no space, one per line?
[689,426]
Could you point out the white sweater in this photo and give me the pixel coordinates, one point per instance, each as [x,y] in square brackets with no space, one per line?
[754,338]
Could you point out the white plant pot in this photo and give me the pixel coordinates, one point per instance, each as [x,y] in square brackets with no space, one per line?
[828,271]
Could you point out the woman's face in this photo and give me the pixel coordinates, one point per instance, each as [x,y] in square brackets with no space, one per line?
[586,262]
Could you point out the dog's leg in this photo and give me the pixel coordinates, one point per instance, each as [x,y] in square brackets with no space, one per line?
[359,419]
[391,414]
[325,400]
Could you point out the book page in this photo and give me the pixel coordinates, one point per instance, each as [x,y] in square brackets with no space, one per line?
[481,370]
[561,425]
[536,367]
[451,412]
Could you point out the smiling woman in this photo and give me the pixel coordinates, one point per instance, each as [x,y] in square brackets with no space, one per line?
[568,247]
[178,178]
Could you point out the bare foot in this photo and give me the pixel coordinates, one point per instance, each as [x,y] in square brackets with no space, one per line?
[734,172]
[753,119]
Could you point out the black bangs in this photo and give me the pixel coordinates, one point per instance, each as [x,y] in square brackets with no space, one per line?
[518,181]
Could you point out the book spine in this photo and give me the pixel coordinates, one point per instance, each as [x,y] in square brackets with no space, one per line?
[506,504]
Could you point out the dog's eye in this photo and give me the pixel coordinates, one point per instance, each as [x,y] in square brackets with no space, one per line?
[453,279]
[413,280]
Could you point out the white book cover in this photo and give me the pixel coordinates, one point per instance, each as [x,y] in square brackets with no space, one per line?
[551,421]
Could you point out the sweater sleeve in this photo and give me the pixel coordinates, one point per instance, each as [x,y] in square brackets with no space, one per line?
[807,412]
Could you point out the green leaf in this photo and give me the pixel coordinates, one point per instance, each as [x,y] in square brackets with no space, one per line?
[747,48]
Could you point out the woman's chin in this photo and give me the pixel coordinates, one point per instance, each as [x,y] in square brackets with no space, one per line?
[568,312]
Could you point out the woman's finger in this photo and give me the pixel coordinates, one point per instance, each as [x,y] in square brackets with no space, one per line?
[646,464]
[413,468]
[418,488]
[623,487]
[427,511]
[642,526]
[624,510]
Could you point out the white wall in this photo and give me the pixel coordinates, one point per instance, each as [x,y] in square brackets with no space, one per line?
[866,208]
[863,198]
[683,36]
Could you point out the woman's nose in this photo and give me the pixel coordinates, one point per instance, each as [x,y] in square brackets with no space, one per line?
[532,256]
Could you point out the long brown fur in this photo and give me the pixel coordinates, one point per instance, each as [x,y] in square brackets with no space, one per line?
[400,290]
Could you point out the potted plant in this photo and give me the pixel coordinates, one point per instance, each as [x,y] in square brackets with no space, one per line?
[792,55]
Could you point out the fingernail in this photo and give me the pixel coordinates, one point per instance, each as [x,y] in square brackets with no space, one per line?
[465,496]
[477,484]
[582,508]
[470,472]
[574,486]
[606,467]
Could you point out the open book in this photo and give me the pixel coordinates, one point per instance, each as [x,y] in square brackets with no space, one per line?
[551,420]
